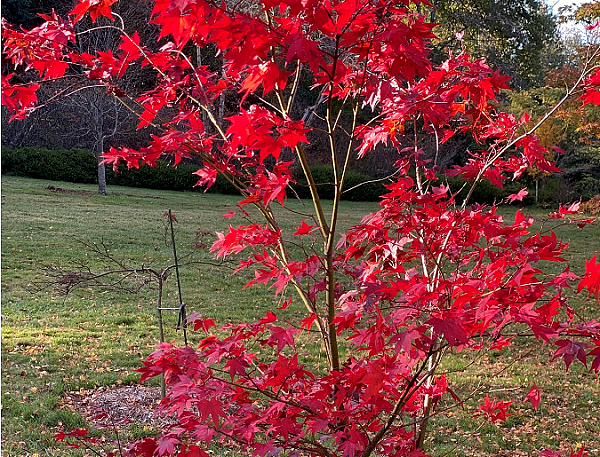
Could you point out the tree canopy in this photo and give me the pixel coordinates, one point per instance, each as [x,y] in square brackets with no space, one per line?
[359,371]
[519,38]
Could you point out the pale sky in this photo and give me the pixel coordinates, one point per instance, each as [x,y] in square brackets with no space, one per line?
[568,28]
[555,4]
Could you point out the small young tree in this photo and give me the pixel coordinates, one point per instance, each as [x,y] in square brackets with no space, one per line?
[422,277]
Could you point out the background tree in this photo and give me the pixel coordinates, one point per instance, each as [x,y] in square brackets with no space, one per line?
[26,12]
[518,38]
[76,111]
[574,128]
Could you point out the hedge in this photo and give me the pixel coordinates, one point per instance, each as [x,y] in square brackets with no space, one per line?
[74,165]
[357,186]
[79,165]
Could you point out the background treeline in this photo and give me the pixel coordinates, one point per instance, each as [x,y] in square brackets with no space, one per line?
[79,166]
[520,39]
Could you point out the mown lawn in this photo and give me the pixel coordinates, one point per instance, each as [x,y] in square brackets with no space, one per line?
[54,344]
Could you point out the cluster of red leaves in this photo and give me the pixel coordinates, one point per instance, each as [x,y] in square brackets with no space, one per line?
[494,410]
[415,279]
[79,438]
[572,453]
[592,91]
[18,98]
[267,400]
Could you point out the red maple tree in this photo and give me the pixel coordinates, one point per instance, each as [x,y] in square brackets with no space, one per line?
[424,276]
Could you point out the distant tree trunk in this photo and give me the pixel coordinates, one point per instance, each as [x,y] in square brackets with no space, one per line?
[101,177]
[101,168]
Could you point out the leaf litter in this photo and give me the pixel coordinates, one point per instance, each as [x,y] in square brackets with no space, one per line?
[108,406]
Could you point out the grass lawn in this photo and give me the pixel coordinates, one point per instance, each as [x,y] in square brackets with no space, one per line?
[95,337]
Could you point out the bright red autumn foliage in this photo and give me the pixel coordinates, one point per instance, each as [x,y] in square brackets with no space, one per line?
[534,396]
[423,276]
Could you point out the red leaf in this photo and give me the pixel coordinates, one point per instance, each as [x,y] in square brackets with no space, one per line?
[146,118]
[303,49]
[166,445]
[266,74]
[269,317]
[592,90]
[563,210]
[18,98]
[594,26]
[291,133]
[307,322]
[494,410]
[236,366]
[211,408]
[94,7]
[208,176]
[192,451]
[131,47]
[145,447]
[500,342]
[79,432]
[591,278]
[304,229]
[534,396]
[450,329]
[201,322]
[252,198]
[569,350]
[285,304]
[374,382]
[595,354]
[518,196]
[282,337]
[170,216]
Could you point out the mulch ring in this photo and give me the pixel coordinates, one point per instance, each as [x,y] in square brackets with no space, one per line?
[108,406]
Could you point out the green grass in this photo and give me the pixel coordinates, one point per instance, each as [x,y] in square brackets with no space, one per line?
[52,344]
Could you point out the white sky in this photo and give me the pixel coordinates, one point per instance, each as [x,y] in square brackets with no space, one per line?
[568,28]
[556,4]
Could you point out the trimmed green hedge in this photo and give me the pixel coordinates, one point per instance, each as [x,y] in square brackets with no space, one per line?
[75,165]
[79,165]
[356,187]
[165,177]
[485,192]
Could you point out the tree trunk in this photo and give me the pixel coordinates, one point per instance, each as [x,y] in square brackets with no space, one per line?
[101,177]
[101,169]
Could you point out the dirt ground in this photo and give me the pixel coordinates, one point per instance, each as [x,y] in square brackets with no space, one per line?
[110,406]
